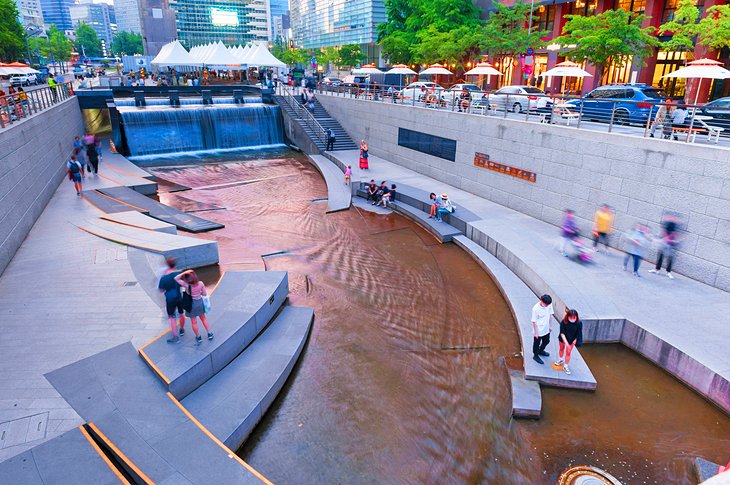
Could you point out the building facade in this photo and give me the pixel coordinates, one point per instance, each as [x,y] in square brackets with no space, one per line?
[127,15]
[157,24]
[551,17]
[324,23]
[278,9]
[56,12]
[31,12]
[98,16]
[233,22]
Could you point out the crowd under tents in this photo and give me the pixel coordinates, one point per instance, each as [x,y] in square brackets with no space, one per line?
[216,55]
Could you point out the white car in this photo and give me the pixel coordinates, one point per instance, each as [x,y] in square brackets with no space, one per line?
[451,95]
[23,79]
[519,98]
[413,91]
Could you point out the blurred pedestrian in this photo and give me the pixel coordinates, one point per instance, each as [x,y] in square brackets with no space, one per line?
[571,336]
[542,314]
[667,245]
[636,244]
[603,220]
[660,117]
[568,230]
[93,155]
[75,172]
[190,283]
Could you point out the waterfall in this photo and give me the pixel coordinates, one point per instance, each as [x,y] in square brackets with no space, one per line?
[164,130]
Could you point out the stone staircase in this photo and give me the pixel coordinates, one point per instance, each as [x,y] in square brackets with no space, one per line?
[322,117]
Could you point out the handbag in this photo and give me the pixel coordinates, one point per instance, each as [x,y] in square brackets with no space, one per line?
[187,300]
[206,303]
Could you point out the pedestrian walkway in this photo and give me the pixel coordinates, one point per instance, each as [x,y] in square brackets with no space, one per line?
[679,324]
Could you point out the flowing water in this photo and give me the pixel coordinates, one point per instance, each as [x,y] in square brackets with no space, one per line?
[403,378]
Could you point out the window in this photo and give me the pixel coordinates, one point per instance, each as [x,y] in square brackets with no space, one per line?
[429,144]
[670,6]
[633,6]
[585,8]
[543,18]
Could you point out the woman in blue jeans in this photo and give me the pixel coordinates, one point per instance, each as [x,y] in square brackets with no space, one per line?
[445,207]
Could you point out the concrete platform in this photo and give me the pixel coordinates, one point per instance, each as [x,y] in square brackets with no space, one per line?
[526,396]
[72,457]
[231,404]
[138,184]
[241,306]
[189,252]
[141,221]
[107,204]
[442,231]
[182,220]
[119,163]
[147,430]
[339,195]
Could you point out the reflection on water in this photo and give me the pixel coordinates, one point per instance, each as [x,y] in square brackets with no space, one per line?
[402,379]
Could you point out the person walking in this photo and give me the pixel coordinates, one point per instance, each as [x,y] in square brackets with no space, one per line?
[542,313]
[568,230]
[363,155]
[667,247]
[190,283]
[571,336]
[636,243]
[75,172]
[93,157]
[348,175]
[445,207]
[331,138]
[660,117]
[173,300]
[603,220]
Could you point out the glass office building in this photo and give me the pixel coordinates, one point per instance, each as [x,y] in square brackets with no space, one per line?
[55,12]
[278,9]
[322,23]
[233,22]
[98,16]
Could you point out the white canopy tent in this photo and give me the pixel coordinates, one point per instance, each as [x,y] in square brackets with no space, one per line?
[174,54]
[261,57]
[218,56]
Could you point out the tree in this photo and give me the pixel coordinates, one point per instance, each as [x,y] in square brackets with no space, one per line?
[59,45]
[612,37]
[714,29]
[506,34]
[349,55]
[12,35]
[127,43]
[683,26]
[87,42]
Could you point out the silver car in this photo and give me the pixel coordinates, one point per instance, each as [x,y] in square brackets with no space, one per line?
[519,98]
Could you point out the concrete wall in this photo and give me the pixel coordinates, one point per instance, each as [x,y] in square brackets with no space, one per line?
[577,169]
[33,153]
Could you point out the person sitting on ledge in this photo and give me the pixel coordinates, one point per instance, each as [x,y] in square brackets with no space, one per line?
[379,193]
[434,201]
[372,190]
[388,197]
[445,207]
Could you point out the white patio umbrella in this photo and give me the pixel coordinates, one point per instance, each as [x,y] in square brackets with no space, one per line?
[483,69]
[567,69]
[367,69]
[435,69]
[401,69]
[701,69]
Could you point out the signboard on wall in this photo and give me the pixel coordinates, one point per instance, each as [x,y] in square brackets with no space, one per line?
[482,160]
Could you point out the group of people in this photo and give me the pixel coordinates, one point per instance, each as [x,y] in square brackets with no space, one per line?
[191,302]
[440,206]
[307,99]
[381,195]
[570,333]
[636,245]
[669,116]
[16,100]
[85,157]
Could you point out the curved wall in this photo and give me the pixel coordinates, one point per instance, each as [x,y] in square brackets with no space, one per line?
[578,169]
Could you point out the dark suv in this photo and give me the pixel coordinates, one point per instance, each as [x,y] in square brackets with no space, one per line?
[631,102]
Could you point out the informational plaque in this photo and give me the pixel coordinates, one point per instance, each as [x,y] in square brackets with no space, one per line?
[482,160]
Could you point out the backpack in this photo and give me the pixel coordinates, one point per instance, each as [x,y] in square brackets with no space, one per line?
[74,167]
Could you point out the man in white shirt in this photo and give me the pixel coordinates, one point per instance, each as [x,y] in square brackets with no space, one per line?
[542,314]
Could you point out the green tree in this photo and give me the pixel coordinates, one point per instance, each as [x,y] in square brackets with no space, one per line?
[12,35]
[714,28]
[59,45]
[87,41]
[683,26]
[349,55]
[506,33]
[127,43]
[612,37]
[395,35]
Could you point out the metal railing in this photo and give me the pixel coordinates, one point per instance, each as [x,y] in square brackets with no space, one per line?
[303,113]
[625,116]
[20,105]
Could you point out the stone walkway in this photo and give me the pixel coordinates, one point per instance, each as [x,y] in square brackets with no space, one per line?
[64,296]
[689,316]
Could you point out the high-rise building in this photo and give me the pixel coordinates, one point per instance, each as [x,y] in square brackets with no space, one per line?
[322,23]
[55,12]
[98,17]
[127,14]
[31,12]
[277,10]
[231,21]
[158,25]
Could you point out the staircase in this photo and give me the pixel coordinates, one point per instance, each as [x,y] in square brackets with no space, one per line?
[315,125]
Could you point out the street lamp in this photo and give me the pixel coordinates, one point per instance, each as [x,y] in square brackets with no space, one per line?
[33,31]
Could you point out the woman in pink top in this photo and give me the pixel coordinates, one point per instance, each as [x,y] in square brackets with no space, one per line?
[348,175]
[196,288]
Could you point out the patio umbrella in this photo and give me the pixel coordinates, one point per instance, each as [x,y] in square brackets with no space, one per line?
[435,69]
[367,69]
[701,69]
[567,69]
[401,69]
[483,69]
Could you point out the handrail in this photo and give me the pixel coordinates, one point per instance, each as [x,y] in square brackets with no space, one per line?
[17,106]
[310,119]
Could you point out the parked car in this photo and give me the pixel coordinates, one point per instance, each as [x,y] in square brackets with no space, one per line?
[453,93]
[23,79]
[719,109]
[519,98]
[331,81]
[627,103]
[413,90]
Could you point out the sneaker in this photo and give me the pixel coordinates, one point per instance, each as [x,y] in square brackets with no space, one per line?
[566,369]
[210,335]
[182,331]
[173,340]
[198,339]
[544,354]
[537,359]
[637,274]
[624,267]
[653,270]
[558,362]
[670,275]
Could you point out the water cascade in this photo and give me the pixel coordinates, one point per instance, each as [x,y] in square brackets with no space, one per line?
[191,128]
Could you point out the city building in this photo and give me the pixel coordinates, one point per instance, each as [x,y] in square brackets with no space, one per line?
[281,28]
[56,12]
[278,9]
[233,22]
[127,15]
[649,71]
[157,25]
[323,23]
[31,12]
[97,16]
